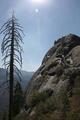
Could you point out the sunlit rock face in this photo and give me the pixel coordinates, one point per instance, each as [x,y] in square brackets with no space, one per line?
[53,93]
[59,67]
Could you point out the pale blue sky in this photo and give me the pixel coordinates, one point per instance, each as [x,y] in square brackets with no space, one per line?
[55,19]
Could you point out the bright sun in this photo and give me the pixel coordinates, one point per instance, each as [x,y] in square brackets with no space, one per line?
[38,1]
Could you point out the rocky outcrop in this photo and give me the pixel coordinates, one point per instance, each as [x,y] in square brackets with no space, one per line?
[59,67]
[53,93]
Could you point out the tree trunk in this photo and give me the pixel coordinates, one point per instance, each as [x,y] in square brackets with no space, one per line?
[11,77]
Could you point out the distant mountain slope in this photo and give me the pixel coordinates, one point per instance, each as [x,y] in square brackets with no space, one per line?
[26,76]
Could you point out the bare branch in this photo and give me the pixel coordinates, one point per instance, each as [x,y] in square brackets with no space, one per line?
[11,51]
[1,85]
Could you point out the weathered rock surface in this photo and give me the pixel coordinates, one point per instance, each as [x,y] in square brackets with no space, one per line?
[59,67]
[53,93]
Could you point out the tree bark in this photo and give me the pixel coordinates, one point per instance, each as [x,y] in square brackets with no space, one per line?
[11,77]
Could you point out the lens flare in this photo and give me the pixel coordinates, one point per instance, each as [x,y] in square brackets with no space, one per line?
[37,10]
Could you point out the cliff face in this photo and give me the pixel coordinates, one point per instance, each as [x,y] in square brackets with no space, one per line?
[59,67]
[54,90]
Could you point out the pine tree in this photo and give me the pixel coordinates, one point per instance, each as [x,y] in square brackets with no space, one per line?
[18,101]
[4,116]
[11,51]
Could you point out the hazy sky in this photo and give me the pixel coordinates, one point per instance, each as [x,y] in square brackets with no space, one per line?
[43,22]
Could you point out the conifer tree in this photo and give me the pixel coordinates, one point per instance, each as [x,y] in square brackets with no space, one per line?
[11,51]
[18,100]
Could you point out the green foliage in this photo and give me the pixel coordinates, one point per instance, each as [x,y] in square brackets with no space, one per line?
[73,116]
[1,115]
[22,116]
[57,107]
[18,99]
[45,107]
[64,108]
[63,104]
[4,116]
[37,97]
[77,81]
[76,89]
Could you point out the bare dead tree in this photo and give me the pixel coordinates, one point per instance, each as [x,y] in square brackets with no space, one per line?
[11,51]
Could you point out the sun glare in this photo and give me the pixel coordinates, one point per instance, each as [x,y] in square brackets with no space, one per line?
[38,1]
